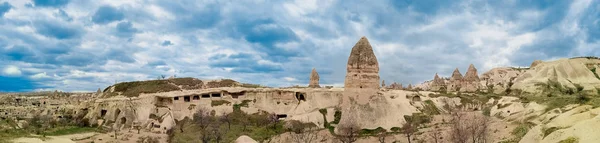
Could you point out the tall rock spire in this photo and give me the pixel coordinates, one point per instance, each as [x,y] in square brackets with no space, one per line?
[456,75]
[314,79]
[362,68]
[471,74]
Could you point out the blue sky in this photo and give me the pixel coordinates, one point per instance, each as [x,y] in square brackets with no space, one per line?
[79,45]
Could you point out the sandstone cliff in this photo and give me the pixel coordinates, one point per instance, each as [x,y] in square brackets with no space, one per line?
[566,72]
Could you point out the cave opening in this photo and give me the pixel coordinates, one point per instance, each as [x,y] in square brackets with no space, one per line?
[196,97]
[215,94]
[205,95]
[281,116]
[186,98]
[300,96]
[103,113]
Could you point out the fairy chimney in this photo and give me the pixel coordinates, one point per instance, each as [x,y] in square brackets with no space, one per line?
[314,79]
[437,83]
[362,68]
[471,74]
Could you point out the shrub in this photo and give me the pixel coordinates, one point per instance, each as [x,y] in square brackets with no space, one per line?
[570,140]
[429,108]
[219,102]
[548,131]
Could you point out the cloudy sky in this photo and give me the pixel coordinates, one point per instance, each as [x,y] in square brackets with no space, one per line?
[82,45]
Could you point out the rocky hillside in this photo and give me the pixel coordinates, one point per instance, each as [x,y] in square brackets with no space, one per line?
[135,88]
[568,73]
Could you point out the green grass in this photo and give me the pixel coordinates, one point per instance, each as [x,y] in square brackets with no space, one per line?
[9,134]
[429,108]
[214,103]
[594,71]
[222,83]
[371,132]
[486,111]
[570,140]
[69,130]
[521,130]
[548,131]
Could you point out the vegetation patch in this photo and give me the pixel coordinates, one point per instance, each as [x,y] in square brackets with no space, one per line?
[69,130]
[214,103]
[135,88]
[548,131]
[418,118]
[570,140]
[429,108]
[371,132]
[222,83]
[521,130]
[486,111]
[595,74]
[337,116]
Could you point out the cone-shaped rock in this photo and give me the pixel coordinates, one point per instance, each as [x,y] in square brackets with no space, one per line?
[437,83]
[456,75]
[362,68]
[314,79]
[471,74]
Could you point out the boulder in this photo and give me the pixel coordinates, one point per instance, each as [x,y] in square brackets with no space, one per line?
[245,139]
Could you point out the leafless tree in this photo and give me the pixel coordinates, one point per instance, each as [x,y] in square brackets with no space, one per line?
[304,134]
[381,137]
[435,135]
[226,118]
[408,129]
[273,119]
[202,118]
[348,132]
[216,131]
[469,127]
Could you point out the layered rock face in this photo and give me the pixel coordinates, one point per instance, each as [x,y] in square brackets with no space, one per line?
[499,79]
[314,79]
[362,68]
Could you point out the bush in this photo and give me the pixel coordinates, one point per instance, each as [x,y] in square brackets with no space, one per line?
[570,140]
[429,108]
[219,102]
[371,132]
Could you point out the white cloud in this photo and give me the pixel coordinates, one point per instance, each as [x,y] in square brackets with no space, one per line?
[12,71]
[40,76]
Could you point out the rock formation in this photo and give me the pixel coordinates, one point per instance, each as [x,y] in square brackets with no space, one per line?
[437,84]
[409,87]
[470,82]
[314,79]
[382,83]
[535,63]
[567,72]
[455,80]
[395,85]
[499,79]
[363,68]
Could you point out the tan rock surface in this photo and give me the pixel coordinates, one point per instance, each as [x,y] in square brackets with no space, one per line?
[499,79]
[567,72]
[362,68]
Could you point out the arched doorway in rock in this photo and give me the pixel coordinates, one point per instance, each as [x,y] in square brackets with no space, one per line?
[123,120]
[300,96]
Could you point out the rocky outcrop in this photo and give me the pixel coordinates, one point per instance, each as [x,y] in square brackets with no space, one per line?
[497,80]
[437,84]
[455,81]
[535,63]
[362,68]
[395,85]
[470,83]
[565,72]
[314,79]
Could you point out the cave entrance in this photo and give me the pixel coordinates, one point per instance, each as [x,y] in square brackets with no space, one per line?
[215,94]
[281,116]
[196,97]
[237,94]
[103,113]
[123,120]
[300,96]
[186,98]
[205,95]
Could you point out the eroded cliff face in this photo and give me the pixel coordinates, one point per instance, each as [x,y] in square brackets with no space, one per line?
[566,72]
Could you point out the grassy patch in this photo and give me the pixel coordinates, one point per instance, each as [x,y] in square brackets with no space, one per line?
[9,134]
[222,83]
[418,118]
[135,88]
[70,130]
[371,132]
[429,108]
[486,111]
[548,131]
[570,140]
[521,130]
[594,71]
[337,116]
[214,103]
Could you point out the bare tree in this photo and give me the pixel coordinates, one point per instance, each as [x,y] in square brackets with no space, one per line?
[381,137]
[435,135]
[216,131]
[348,132]
[471,127]
[226,118]
[202,118]
[408,129]
[303,133]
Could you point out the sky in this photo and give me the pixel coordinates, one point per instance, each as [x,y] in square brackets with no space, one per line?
[82,45]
